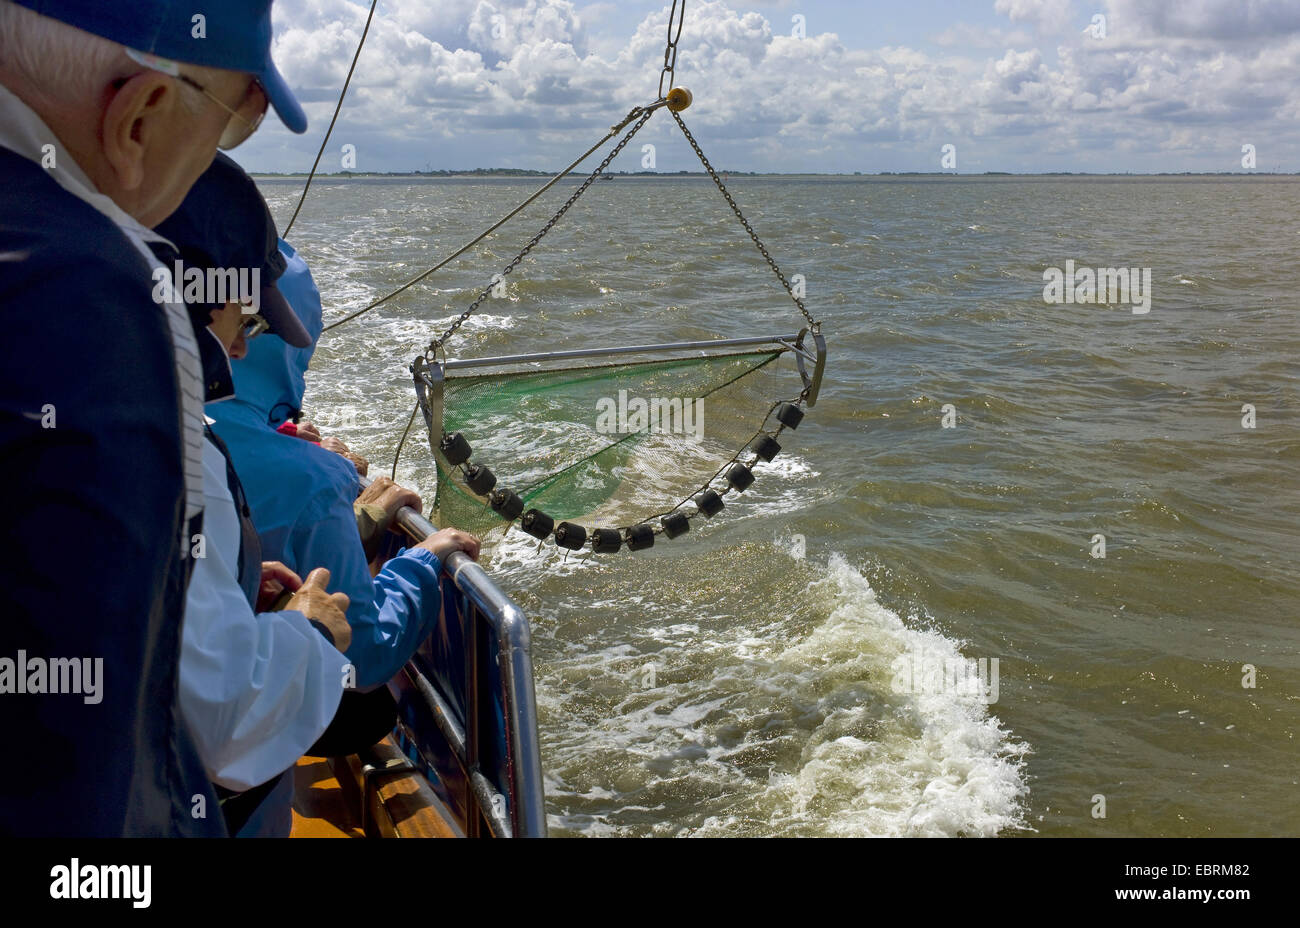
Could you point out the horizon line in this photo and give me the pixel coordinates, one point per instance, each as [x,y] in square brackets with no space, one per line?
[526,172]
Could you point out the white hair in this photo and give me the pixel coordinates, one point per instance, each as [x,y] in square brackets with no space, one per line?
[67,64]
[61,61]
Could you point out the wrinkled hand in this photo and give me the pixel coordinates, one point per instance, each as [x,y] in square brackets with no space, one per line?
[308,430]
[447,540]
[328,609]
[276,578]
[333,444]
[383,492]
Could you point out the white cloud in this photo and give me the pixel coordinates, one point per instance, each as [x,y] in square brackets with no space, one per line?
[521,83]
[1218,20]
[1047,15]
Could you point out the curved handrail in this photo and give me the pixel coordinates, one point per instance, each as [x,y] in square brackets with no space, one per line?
[527,817]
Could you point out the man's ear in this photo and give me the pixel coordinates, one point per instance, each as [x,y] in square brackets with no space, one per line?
[139,112]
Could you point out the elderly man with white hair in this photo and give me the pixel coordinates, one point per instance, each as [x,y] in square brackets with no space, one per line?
[109,111]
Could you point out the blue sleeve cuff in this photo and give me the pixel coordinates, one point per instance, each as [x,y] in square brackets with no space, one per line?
[423,555]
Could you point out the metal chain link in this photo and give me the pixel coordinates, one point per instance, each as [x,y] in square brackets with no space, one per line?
[813,324]
[670,50]
[644,114]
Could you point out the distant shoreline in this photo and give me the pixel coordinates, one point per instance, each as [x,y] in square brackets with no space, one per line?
[482,174]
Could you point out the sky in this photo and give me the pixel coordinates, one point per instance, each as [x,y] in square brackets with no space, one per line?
[816,86]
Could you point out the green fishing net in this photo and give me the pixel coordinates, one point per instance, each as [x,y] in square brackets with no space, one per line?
[605,445]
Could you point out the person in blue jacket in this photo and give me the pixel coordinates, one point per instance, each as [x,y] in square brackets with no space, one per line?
[302,496]
[108,113]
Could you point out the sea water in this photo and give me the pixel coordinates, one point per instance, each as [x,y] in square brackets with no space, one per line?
[1103,501]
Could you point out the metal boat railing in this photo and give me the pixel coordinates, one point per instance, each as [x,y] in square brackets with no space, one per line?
[430,376]
[701,346]
[474,727]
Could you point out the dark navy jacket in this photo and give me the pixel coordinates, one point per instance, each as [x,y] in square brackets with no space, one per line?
[91,557]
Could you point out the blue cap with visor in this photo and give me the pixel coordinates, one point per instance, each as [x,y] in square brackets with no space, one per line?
[234,35]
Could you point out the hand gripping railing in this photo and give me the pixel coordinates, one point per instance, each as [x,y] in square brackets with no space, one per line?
[486,617]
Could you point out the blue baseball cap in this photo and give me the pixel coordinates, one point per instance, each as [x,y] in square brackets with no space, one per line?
[231,34]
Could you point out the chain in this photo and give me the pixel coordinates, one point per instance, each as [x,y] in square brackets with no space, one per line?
[613,131]
[670,50]
[813,324]
[644,115]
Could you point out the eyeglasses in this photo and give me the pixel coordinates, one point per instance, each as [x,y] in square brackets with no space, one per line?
[253,326]
[245,118]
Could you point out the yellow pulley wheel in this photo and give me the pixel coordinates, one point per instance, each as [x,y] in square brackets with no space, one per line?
[678,99]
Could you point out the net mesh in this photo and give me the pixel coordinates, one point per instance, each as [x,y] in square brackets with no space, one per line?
[607,445]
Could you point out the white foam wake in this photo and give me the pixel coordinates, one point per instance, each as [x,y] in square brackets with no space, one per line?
[778,720]
[928,764]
